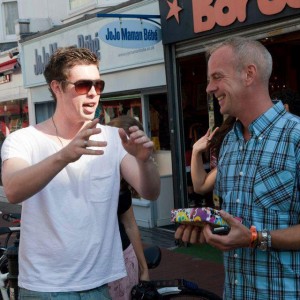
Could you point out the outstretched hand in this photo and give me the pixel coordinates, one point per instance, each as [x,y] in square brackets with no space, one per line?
[137,143]
[81,144]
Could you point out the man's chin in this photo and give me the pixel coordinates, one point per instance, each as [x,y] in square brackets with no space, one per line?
[89,117]
[223,111]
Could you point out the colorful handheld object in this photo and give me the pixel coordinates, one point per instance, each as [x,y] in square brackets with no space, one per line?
[198,216]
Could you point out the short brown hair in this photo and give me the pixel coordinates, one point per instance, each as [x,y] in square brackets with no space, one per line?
[66,58]
[125,121]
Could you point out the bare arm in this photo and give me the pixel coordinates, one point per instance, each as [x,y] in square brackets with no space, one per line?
[133,233]
[21,180]
[239,236]
[203,182]
[137,167]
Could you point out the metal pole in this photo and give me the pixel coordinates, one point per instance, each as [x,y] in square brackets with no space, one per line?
[176,129]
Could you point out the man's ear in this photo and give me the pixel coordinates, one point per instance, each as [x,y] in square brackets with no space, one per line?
[251,73]
[55,86]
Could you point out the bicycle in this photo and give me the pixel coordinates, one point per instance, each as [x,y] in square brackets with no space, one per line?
[9,258]
[168,289]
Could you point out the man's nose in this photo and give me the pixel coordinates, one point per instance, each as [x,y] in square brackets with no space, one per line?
[210,89]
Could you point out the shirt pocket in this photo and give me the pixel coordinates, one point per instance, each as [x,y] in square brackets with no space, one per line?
[273,189]
[101,187]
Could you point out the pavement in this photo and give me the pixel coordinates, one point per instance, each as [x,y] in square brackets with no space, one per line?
[207,274]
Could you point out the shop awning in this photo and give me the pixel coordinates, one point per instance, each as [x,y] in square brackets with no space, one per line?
[8,66]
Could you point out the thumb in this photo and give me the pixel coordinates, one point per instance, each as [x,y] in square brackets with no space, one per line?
[228,218]
[123,135]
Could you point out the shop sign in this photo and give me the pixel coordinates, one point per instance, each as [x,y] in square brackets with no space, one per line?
[83,41]
[133,34]
[123,50]
[186,19]
[119,43]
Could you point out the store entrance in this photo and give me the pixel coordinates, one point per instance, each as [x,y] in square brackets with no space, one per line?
[198,115]
[285,79]
[201,112]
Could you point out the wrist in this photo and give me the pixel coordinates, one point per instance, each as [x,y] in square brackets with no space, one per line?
[254,239]
[265,240]
[197,156]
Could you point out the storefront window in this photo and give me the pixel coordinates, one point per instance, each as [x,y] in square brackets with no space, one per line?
[10,15]
[108,110]
[44,110]
[13,115]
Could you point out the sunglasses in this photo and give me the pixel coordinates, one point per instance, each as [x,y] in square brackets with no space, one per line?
[82,87]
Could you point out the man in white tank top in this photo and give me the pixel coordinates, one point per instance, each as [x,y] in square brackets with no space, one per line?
[66,173]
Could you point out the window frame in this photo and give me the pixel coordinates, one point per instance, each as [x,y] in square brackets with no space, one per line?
[6,36]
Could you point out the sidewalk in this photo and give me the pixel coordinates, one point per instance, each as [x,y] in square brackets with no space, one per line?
[206,273]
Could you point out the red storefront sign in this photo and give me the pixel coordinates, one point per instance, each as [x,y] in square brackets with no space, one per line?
[187,19]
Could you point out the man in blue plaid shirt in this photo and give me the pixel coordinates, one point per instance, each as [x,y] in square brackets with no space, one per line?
[257,179]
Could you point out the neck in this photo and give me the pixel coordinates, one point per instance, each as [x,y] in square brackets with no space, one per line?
[56,132]
[65,127]
[258,103]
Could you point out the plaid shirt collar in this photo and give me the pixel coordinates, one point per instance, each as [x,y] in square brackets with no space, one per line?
[263,123]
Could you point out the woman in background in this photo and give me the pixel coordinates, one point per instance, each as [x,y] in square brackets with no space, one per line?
[203,182]
[133,250]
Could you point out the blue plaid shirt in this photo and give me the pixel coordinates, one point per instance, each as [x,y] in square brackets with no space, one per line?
[258,180]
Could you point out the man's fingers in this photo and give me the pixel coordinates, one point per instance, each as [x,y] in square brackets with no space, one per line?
[90,129]
[92,124]
[179,232]
[228,218]
[123,135]
[187,234]
[195,235]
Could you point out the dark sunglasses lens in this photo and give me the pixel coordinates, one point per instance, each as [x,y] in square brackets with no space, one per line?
[99,86]
[83,87]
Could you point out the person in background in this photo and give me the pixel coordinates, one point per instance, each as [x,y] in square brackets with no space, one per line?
[133,251]
[258,178]
[290,100]
[203,181]
[66,173]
